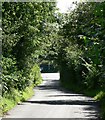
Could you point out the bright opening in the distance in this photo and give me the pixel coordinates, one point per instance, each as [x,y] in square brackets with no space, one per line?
[64,5]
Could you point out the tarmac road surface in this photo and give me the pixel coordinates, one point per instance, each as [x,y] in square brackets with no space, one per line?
[52,101]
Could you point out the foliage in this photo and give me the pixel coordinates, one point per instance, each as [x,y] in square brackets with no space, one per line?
[23,30]
[9,101]
[83,61]
[35,75]
[33,32]
[88,35]
[101,97]
[24,25]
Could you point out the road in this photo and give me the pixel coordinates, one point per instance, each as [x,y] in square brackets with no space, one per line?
[52,101]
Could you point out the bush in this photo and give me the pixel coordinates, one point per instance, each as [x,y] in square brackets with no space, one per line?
[8,101]
[35,75]
[16,85]
[101,98]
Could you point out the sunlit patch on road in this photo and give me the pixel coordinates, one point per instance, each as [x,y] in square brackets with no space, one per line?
[54,76]
[52,101]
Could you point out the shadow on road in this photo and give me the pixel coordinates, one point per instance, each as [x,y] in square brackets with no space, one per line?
[52,101]
[64,102]
[57,93]
[54,85]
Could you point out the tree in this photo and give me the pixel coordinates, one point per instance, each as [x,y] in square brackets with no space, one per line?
[84,30]
[24,26]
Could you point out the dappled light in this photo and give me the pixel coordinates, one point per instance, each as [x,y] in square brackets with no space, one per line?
[51,97]
[52,60]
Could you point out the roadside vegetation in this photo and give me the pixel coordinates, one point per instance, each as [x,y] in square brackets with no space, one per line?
[23,34]
[82,64]
[73,42]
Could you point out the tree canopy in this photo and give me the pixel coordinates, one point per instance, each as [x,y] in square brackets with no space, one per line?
[75,42]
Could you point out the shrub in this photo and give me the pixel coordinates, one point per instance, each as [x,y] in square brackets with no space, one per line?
[35,75]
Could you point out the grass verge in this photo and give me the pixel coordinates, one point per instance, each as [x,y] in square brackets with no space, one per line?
[9,101]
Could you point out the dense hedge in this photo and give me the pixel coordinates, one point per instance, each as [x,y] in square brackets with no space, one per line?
[24,25]
[83,54]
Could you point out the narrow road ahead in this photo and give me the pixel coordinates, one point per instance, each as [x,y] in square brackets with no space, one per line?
[51,101]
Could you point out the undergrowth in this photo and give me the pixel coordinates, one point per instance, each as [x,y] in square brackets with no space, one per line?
[8,101]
